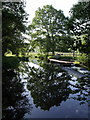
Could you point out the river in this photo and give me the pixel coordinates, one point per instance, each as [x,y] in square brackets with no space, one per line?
[51,91]
[57,92]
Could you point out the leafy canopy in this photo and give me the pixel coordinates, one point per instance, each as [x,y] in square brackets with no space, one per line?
[13,25]
[47,28]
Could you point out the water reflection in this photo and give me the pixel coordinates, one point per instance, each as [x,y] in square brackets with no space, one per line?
[50,85]
[14,102]
[82,90]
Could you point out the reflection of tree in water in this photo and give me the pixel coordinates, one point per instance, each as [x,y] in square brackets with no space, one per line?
[15,103]
[82,90]
[49,86]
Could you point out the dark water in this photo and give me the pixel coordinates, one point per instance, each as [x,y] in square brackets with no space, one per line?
[49,92]
[14,102]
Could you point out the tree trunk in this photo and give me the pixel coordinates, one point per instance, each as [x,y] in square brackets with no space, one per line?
[53,53]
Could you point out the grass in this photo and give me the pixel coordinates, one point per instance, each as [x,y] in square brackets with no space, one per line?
[33,54]
[8,55]
[76,62]
[63,55]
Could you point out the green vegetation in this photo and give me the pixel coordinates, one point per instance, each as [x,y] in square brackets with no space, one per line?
[84,59]
[50,31]
[13,26]
[52,35]
[33,54]
[79,26]
[11,62]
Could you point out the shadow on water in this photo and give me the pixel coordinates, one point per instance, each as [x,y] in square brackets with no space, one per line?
[14,103]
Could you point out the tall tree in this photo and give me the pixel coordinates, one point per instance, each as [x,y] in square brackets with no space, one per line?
[79,25]
[48,26]
[13,25]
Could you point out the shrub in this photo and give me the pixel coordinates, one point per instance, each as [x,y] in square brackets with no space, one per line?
[84,59]
[11,62]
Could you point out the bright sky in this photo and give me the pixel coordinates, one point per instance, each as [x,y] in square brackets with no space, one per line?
[64,5]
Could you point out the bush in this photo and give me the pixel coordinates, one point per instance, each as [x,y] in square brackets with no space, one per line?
[11,62]
[84,59]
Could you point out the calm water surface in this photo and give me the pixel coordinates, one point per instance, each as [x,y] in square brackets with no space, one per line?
[46,90]
[54,93]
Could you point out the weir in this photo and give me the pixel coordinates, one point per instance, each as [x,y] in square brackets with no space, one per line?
[73,72]
[61,62]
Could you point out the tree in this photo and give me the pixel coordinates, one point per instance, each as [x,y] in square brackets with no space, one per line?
[79,26]
[13,25]
[47,27]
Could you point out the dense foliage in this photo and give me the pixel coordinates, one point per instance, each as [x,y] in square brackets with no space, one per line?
[79,26]
[13,25]
[49,30]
